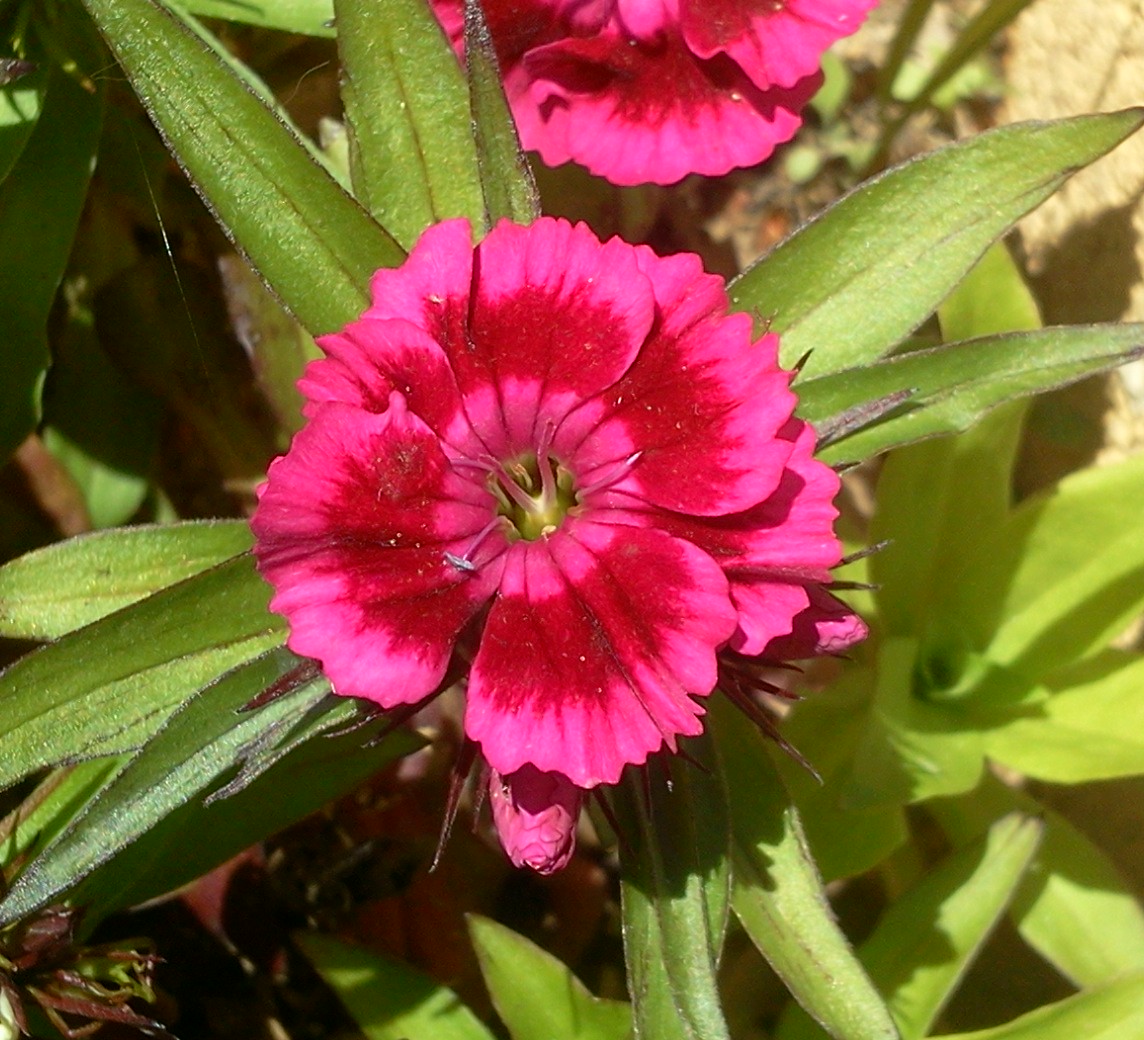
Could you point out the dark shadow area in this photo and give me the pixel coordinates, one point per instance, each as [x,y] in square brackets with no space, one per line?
[1089,275]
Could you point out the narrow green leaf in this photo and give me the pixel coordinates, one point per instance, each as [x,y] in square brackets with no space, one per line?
[983,28]
[149,830]
[101,425]
[35,239]
[21,103]
[1111,1012]
[536,995]
[674,883]
[278,347]
[929,938]
[778,895]
[1078,912]
[829,729]
[310,241]
[197,743]
[390,1000]
[412,156]
[107,688]
[506,178]
[855,281]
[51,806]
[308,17]
[909,25]
[994,297]
[309,768]
[955,384]
[55,590]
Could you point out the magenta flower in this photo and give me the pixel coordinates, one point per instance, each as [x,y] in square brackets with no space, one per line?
[652,90]
[559,467]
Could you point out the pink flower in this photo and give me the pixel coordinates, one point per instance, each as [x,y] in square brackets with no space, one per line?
[652,90]
[535,815]
[560,467]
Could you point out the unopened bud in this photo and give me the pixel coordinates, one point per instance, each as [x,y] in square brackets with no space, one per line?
[535,815]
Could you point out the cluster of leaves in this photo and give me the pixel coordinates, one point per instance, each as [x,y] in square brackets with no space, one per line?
[993,623]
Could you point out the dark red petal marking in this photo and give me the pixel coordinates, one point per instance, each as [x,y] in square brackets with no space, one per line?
[352,530]
[372,358]
[702,405]
[596,640]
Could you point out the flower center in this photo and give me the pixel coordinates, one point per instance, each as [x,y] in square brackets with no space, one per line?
[535,492]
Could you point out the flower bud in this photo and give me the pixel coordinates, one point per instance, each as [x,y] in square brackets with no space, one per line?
[535,815]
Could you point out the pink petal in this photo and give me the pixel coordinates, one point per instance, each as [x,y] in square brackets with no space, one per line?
[531,322]
[371,358]
[352,530]
[596,643]
[772,550]
[702,405]
[638,112]
[535,815]
[826,626]
[767,610]
[647,19]
[775,44]
[558,317]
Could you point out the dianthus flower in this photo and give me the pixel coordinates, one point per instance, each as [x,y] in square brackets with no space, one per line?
[561,468]
[652,90]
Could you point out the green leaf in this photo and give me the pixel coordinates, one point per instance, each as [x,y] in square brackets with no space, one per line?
[314,246]
[855,281]
[388,999]
[191,364]
[21,103]
[828,729]
[35,239]
[1112,1012]
[110,686]
[308,17]
[198,742]
[955,384]
[412,156]
[1074,907]
[1090,726]
[536,995]
[930,936]
[278,347]
[103,427]
[976,35]
[673,887]
[1059,579]
[161,790]
[62,587]
[506,178]
[300,769]
[993,297]
[1077,911]
[922,491]
[778,894]
[51,806]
